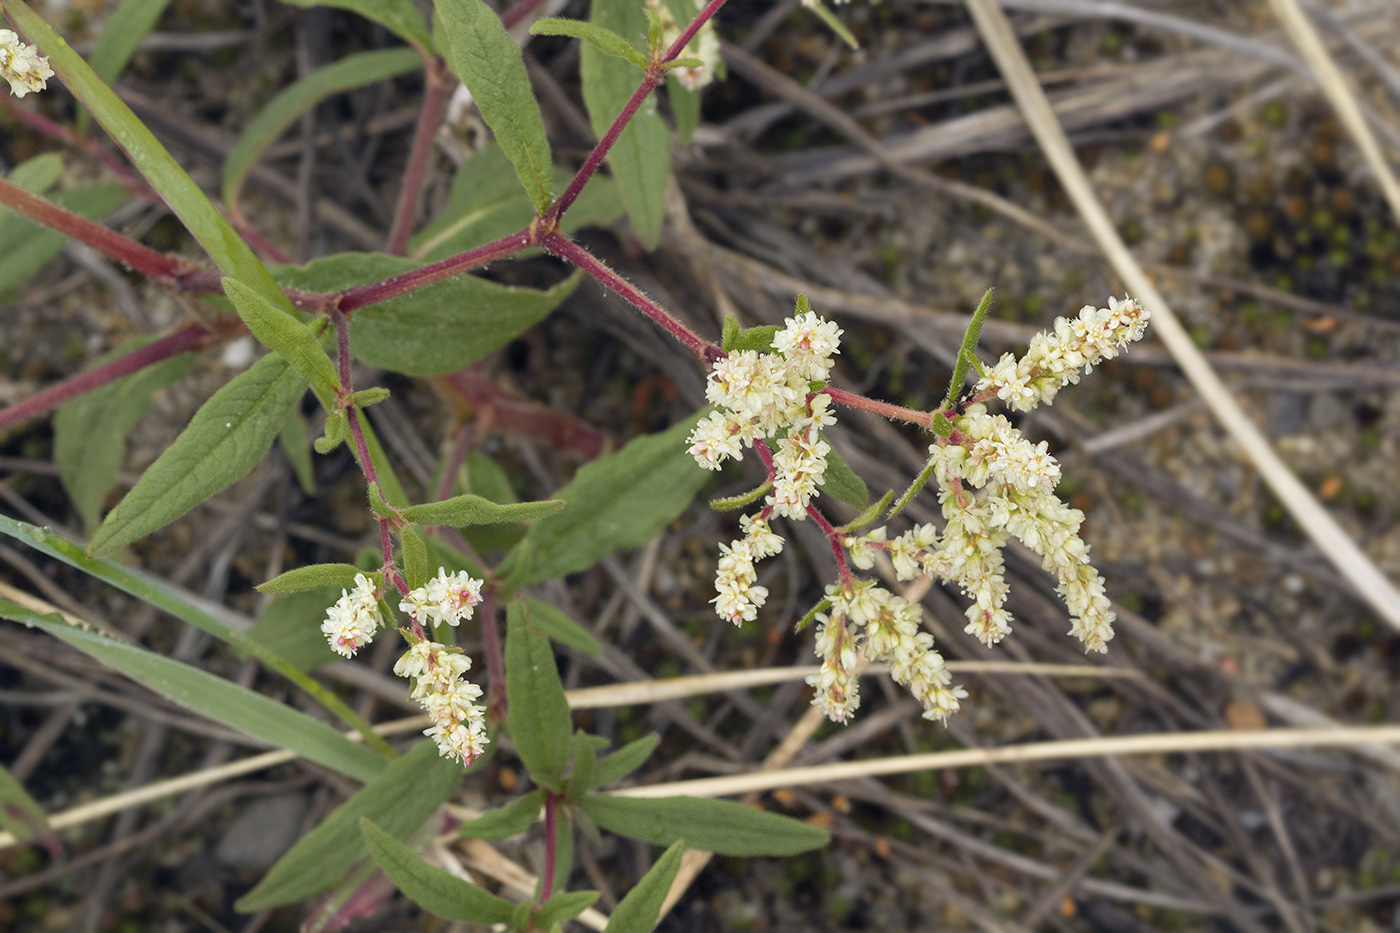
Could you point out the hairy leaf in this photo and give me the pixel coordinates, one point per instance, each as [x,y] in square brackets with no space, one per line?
[225,439]
[461,511]
[400,17]
[506,821]
[538,717]
[487,60]
[431,888]
[638,911]
[713,825]
[621,500]
[282,332]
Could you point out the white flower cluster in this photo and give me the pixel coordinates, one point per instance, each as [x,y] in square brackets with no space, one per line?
[890,631]
[459,724]
[351,623]
[1054,361]
[768,395]
[22,65]
[443,598]
[704,46]
[736,581]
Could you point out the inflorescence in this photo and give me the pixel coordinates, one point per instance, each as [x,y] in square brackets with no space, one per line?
[438,671]
[993,484]
[22,65]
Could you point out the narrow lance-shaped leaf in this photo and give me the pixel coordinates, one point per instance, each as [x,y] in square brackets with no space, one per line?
[641,158]
[639,910]
[605,40]
[713,825]
[487,60]
[431,888]
[404,795]
[357,70]
[284,333]
[225,439]
[562,907]
[159,167]
[163,596]
[625,760]
[461,511]
[621,500]
[309,578]
[237,707]
[506,821]
[558,626]
[538,717]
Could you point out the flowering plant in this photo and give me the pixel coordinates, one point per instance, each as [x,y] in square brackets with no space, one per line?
[771,391]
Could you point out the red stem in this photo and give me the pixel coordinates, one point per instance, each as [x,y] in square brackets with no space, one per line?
[898,412]
[89,146]
[434,99]
[362,295]
[654,76]
[833,538]
[189,337]
[565,248]
[551,844]
[496,699]
[169,271]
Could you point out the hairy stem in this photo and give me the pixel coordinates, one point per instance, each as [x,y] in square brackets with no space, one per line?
[414,279]
[189,337]
[567,249]
[896,412]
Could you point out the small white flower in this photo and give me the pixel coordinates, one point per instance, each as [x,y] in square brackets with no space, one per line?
[444,598]
[22,65]
[459,725]
[351,623]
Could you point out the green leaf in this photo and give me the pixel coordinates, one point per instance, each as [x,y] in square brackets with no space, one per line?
[290,627]
[834,24]
[121,34]
[20,814]
[562,907]
[872,511]
[625,760]
[237,707]
[461,511]
[174,185]
[26,246]
[282,332]
[357,70]
[433,330]
[506,821]
[621,500]
[225,439]
[640,160]
[685,104]
[90,431]
[311,577]
[843,483]
[639,910]
[296,447]
[415,557]
[538,717]
[604,40]
[403,795]
[431,888]
[759,338]
[488,61]
[486,203]
[583,778]
[367,397]
[337,427]
[35,175]
[400,17]
[730,503]
[558,626]
[712,825]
